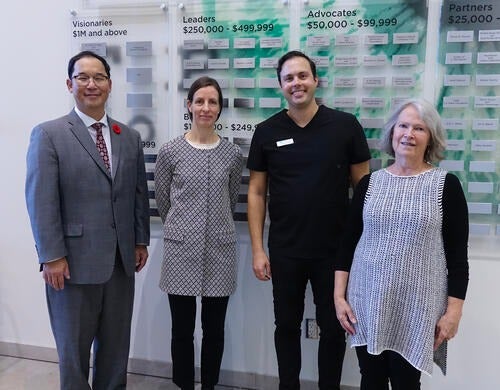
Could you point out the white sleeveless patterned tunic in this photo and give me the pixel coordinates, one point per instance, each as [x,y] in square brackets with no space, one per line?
[398,280]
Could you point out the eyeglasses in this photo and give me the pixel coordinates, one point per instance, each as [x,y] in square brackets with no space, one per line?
[83,79]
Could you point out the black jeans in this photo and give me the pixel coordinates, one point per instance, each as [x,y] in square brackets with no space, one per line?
[290,277]
[213,315]
[378,370]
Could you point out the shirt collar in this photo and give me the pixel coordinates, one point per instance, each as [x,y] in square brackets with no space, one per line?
[88,121]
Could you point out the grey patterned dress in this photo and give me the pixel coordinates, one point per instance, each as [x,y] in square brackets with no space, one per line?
[196,193]
[398,281]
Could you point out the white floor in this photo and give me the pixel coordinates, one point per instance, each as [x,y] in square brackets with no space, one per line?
[26,374]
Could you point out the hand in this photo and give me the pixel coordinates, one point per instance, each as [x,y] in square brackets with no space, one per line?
[54,273]
[447,326]
[345,315]
[261,266]
[141,256]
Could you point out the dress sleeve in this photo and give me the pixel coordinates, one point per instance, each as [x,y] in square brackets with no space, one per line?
[354,227]
[455,236]
[163,180]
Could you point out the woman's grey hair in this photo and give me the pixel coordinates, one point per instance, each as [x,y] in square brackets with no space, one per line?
[431,118]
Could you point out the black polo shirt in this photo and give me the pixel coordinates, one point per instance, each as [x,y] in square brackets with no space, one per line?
[308,170]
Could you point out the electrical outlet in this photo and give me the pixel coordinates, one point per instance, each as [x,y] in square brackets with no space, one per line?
[312,330]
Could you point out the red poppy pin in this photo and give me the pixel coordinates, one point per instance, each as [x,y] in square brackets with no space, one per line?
[116,128]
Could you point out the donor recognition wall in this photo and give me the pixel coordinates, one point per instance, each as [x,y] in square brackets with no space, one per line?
[370,55]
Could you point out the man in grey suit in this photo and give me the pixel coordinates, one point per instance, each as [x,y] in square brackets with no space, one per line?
[86,194]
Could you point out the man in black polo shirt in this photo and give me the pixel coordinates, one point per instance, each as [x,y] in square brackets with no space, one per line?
[309,155]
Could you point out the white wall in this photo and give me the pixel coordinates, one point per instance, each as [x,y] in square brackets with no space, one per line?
[35,50]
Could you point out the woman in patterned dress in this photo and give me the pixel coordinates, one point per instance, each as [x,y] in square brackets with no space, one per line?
[197,179]
[402,273]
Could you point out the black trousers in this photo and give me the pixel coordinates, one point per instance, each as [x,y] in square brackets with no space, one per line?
[213,315]
[290,277]
[378,370]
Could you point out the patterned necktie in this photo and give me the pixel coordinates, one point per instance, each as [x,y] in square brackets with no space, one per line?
[101,145]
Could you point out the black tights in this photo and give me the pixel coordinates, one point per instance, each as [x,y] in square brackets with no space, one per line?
[213,315]
[378,370]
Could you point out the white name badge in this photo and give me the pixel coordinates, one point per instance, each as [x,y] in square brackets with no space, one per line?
[284,142]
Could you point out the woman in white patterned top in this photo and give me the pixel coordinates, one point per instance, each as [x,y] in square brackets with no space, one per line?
[197,179]
[402,273]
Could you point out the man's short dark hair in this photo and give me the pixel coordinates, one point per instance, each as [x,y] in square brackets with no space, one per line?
[83,54]
[292,54]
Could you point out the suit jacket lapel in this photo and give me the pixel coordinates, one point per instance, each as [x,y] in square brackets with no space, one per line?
[78,128]
[116,142]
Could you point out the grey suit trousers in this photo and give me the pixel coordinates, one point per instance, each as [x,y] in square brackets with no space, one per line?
[82,314]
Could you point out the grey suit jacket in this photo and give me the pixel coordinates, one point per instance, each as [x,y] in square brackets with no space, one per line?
[77,210]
